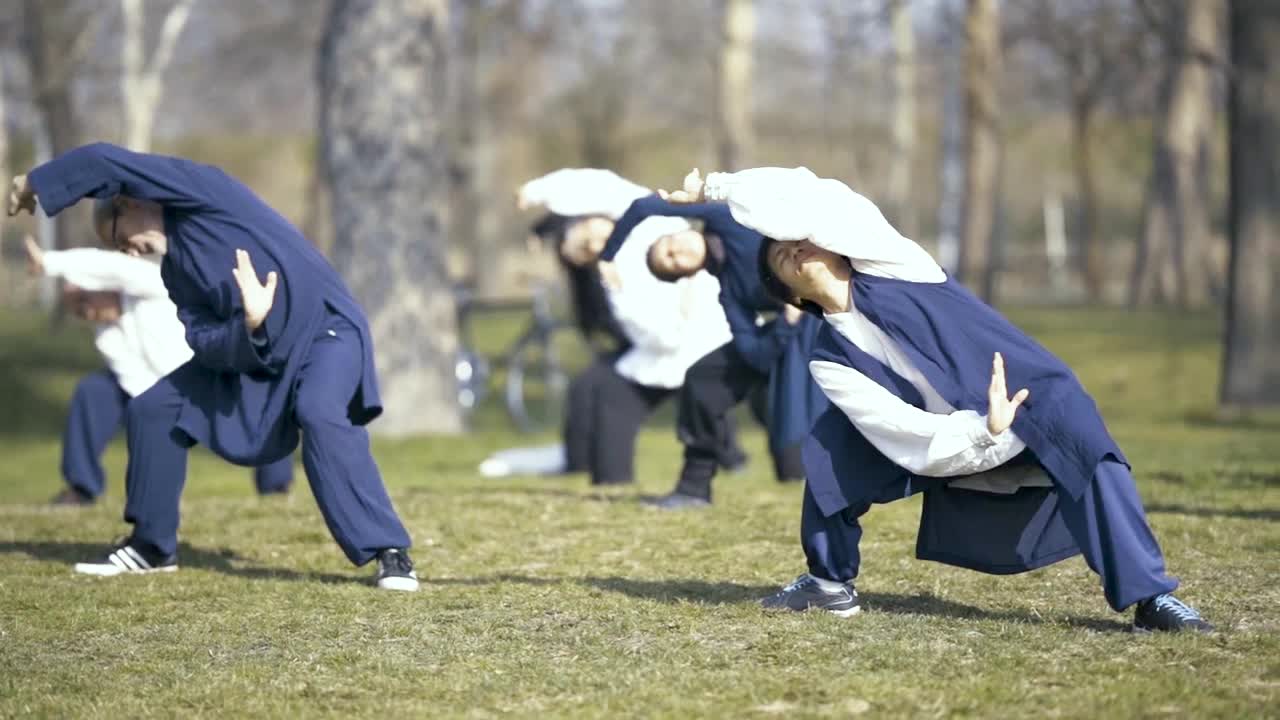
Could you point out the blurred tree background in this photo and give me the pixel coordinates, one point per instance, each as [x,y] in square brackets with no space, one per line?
[1046,151]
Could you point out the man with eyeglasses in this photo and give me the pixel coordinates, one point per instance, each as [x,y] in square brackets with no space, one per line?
[272,360]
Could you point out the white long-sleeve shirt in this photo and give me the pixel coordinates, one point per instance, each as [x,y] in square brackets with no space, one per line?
[148,341]
[794,204]
[670,325]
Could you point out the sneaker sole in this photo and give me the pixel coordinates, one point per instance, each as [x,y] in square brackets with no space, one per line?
[848,612]
[98,570]
[400,584]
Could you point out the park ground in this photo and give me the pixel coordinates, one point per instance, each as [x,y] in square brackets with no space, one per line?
[545,598]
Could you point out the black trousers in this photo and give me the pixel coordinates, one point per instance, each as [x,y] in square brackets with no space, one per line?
[605,412]
[712,388]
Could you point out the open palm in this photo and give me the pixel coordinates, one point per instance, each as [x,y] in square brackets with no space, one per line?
[691,193]
[256,297]
[1002,408]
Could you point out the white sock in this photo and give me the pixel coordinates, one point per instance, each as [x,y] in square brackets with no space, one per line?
[828,585]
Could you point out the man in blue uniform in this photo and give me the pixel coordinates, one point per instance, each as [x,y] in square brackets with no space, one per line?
[271,359]
[771,357]
[915,368]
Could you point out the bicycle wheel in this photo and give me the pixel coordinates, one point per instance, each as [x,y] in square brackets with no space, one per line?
[537,380]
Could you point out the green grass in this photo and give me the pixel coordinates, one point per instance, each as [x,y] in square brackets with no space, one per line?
[544,598]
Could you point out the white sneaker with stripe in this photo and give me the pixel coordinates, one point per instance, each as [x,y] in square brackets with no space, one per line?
[125,559]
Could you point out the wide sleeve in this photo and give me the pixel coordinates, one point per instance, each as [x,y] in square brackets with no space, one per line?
[759,345]
[925,443]
[94,270]
[224,345]
[794,204]
[102,170]
[715,216]
[574,192]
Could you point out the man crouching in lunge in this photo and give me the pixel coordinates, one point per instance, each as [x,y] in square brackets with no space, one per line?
[270,360]
[915,368]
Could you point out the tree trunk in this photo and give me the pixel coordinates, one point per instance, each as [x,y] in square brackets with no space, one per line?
[1176,227]
[1092,262]
[982,151]
[142,82]
[382,99]
[904,115]
[473,219]
[53,46]
[951,173]
[1250,371]
[733,108]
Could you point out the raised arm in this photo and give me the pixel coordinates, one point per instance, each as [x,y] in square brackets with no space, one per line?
[928,444]
[716,217]
[759,345]
[794,204]
[575,192]
[103,170]
[93,269]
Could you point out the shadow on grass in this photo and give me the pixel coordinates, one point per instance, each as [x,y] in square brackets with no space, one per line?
[714,593]
[220,560]
[692,591]
[1268,514]
[927,604]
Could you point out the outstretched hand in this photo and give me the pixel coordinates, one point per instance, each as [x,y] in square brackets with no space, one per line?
[256,297]
[692,192]
[609,275]
[35,256]
[21,196]
[1002,408]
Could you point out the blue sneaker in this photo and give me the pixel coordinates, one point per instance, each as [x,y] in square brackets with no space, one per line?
[1166,613]
[809,593]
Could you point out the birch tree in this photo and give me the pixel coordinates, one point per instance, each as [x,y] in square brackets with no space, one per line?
[142,81]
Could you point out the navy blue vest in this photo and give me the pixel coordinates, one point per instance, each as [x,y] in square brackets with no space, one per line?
[951,336]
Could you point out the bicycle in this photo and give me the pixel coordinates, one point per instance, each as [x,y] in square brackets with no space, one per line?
[536,378]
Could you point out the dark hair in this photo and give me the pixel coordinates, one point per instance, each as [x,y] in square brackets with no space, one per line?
[774,287]
[665,275]
[591,312]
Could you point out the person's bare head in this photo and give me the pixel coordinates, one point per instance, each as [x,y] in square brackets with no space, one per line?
[585,239]
[801,273]
[678,255]
[130,225]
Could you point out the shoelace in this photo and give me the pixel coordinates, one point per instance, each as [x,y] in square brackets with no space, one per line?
[397,561]
[1181,610]
[805,579]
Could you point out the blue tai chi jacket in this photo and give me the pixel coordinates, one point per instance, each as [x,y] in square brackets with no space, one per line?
[238,395]
[950,336]
[777,349]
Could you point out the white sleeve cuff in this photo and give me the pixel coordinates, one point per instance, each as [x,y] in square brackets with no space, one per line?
[716,187]
[981,436]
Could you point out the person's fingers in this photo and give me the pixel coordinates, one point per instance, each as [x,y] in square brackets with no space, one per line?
[271,284]
[33,247]
[664,194]
[1019,398]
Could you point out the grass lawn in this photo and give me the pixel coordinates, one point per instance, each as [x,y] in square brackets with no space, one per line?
[545,598]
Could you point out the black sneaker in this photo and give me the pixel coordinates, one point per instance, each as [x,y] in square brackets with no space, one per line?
[680,501]
[129,558]
[807,593]
[395,571]
[1166,613]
